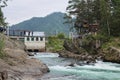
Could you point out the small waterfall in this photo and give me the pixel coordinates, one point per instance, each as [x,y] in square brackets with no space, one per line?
[46,55]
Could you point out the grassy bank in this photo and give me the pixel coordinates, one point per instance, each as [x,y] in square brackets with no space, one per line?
[55,43]
[113,41]
[1,48]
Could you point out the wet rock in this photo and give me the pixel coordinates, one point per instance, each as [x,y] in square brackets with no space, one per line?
[87,62]
[74,47]
[30,54]
[81,57]
[71,64]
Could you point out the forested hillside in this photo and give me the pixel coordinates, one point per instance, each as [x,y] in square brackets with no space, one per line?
[51,24]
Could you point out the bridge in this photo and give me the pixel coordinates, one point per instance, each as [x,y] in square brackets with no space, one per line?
[17,34]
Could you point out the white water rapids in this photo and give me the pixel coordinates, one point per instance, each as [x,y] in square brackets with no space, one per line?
[60,71]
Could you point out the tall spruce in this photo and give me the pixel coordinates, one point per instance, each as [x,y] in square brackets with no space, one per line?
[105,15]
[115,23]
[82,10]
[91,11]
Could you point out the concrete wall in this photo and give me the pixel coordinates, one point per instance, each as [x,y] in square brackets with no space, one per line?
[35,44]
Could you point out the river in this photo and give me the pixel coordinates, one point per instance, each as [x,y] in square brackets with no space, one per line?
[60,71]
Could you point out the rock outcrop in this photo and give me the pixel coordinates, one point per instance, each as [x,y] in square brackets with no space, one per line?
[74,49]
[16,64]
[79,57]
[112,54]
[73,46]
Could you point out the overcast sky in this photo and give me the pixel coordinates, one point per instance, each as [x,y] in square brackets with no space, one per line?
[20,10]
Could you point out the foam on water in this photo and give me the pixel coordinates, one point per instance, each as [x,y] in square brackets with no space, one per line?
[39,55]
[102,66]
[86,73]
[61,78]
[98,71]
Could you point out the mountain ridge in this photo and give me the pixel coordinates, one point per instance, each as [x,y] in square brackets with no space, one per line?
[50,24]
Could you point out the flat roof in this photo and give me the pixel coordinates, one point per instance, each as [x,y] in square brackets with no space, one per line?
[35,33]
[38,34]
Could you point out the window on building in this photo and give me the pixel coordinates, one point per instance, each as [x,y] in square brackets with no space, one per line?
[28,39]
[37,38]
[41,38]
[32,39]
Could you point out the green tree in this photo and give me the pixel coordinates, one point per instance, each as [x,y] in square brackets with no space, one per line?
[2,19]
[82,10]
[115,23]
[61,36]
[1,48]
[91,11]
[105,15]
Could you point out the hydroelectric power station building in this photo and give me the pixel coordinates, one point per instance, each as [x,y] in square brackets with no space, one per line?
[33,40]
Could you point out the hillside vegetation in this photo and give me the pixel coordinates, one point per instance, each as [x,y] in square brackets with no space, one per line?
[51,24]
[97,23]
[55,43]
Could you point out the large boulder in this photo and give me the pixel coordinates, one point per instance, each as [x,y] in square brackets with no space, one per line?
[112,54]
[17,63]
[79,57]
[75,49]
[74,46]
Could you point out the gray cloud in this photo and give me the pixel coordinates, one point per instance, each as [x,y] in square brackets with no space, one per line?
[19,10]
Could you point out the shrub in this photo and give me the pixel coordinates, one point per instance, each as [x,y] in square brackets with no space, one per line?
[54,43]
[1,48]
[61,36]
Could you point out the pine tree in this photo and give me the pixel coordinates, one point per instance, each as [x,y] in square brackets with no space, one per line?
[115,23]
[2,19]
[105,14]
[82,10]
[91,11]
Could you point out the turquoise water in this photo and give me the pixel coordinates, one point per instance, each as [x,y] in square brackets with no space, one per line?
[60,71]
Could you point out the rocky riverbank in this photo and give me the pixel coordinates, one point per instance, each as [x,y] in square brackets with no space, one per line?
[72,50]
[16,64]
[112,54]
[80,57]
